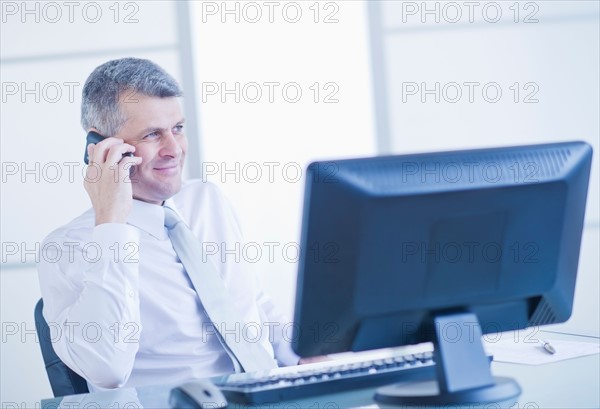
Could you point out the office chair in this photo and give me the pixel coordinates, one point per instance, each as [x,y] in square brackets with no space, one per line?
[62,379]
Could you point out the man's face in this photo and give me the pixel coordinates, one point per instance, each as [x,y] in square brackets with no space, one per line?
[155,127]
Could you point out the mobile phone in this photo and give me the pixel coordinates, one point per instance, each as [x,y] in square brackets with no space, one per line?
[95,137]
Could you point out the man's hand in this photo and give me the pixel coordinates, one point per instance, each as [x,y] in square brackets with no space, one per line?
[107,179]
[313,359]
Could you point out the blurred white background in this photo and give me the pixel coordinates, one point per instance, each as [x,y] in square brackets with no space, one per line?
[355,65]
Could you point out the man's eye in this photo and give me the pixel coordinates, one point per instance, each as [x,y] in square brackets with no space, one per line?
[151,135]
[178,129]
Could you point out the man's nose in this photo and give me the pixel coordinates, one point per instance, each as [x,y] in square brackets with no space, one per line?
[170,145]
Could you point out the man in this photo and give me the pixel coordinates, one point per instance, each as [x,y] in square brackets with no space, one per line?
[123,308]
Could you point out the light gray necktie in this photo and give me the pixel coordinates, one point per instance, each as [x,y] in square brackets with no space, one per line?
[214,297]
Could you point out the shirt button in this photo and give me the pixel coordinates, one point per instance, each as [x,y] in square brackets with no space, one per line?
[131,293]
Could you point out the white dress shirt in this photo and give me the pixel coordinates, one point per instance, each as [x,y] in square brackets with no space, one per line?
[122,310]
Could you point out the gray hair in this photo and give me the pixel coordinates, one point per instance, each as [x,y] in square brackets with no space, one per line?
[106,84]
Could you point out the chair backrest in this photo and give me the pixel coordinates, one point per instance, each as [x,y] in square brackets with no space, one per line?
[62,379]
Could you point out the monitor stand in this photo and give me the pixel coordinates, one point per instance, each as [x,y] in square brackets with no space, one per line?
[462,368]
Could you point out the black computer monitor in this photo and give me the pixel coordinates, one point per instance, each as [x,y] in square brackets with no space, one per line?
[399,250]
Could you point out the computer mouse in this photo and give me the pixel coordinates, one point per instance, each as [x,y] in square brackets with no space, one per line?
[200,394]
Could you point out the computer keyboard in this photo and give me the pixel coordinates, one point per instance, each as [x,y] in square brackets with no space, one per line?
[326,377]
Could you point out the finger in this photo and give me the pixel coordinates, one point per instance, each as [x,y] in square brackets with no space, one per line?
[93,172]
[126,164]
[128,161]
[115,153]
[101,149]
[90,151]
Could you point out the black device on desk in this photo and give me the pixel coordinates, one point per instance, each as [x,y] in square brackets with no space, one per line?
[200,394]
[321,378]
[440,247]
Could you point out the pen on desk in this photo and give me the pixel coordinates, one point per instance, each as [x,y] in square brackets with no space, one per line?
[548,347]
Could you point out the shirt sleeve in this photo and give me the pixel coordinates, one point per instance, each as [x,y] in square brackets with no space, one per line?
[89,279]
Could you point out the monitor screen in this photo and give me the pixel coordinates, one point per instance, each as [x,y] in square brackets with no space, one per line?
[390,243]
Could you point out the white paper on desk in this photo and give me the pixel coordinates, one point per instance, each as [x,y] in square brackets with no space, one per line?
[533,353]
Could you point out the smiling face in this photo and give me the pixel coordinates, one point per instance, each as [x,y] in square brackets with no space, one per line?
[155,127]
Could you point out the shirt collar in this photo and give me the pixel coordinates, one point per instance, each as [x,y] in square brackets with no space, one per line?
[149,218]
[171,203]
